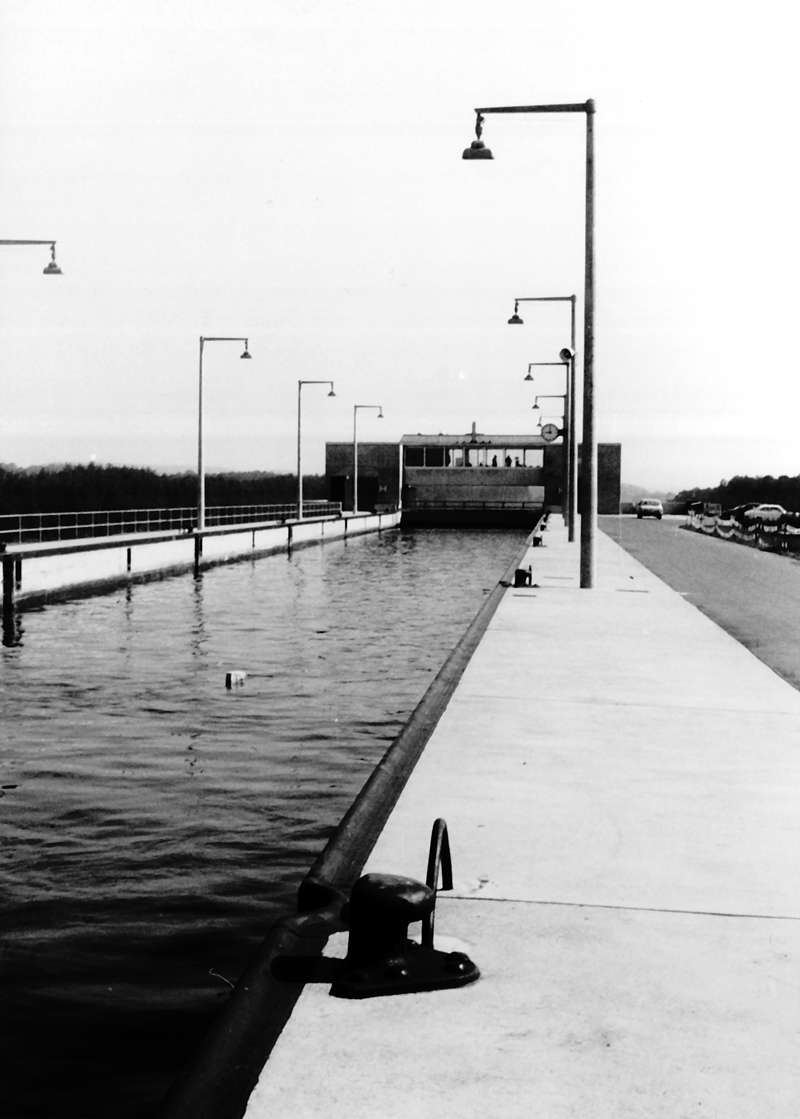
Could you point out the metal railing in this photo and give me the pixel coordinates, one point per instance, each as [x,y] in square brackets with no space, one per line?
[450,503]
[39,528]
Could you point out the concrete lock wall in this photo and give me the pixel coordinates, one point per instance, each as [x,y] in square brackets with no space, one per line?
[441,484]
[40,573]
[378,474]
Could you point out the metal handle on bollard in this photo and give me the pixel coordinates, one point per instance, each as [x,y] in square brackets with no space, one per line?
[438,860]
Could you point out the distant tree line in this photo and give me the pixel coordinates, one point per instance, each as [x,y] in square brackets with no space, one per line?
[64,489]
[783,491]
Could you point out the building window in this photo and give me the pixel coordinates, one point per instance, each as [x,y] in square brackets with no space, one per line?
[434,456]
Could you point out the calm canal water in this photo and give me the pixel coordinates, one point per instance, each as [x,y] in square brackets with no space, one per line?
[155,824]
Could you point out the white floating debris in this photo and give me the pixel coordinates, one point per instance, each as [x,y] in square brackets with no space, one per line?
[235,679]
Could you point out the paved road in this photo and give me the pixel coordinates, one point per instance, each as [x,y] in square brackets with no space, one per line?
[753,595]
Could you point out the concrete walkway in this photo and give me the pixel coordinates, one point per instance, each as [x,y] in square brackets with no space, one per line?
[621,783]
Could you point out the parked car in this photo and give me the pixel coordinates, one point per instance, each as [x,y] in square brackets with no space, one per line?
[737,513]
[649,507]
[766,514]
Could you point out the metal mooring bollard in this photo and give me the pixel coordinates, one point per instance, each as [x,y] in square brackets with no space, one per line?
[381,960]
[523,576]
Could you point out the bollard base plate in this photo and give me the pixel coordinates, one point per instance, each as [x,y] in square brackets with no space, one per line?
[405,970]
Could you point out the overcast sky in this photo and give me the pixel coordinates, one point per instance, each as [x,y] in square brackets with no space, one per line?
[290,171]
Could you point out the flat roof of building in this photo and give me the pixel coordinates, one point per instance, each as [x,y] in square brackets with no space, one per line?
[477,439]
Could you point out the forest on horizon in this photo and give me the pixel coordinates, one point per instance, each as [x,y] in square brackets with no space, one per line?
[764,489]
[65,488]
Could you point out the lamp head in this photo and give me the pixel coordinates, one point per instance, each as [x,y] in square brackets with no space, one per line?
[331,393]
[477,149]
[535,408]
[380,412]
[566,354]
[529,376]
[246,354]
[515,320]
[52,268]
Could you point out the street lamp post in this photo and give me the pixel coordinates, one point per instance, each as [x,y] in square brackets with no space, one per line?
[568,359]
[355,448]
[299,443]
[478,150]
[201,478]
[568,503]
[52,268]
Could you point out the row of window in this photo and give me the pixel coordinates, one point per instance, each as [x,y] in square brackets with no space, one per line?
[474,456]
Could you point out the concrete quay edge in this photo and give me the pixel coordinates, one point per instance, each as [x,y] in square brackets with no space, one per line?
[620,782]
[219,1077]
